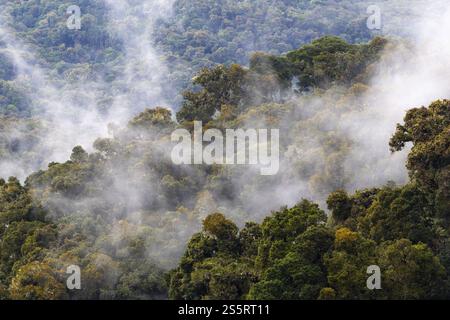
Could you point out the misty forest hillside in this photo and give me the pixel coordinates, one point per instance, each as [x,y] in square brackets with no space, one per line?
[197,34]
[141,227]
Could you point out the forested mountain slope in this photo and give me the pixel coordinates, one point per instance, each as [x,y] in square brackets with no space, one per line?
[123,212]
[296,254]
[129,56]
[80,124]
[196,33]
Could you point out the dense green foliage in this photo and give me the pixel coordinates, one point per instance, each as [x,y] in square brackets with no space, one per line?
[321,64]
[203,33]
[141,227]
[43,25]
[199,33]
[124,240]
[225,31]
[295,254]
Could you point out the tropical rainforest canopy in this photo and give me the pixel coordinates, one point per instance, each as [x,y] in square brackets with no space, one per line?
[141,227]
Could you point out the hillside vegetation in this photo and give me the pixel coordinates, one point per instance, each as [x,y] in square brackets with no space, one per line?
[141,227]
